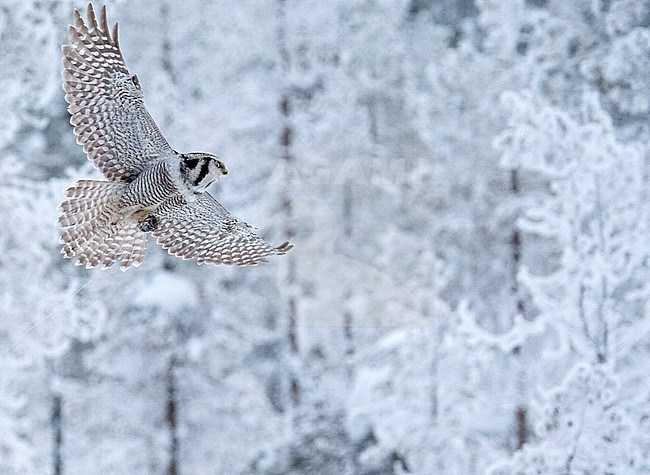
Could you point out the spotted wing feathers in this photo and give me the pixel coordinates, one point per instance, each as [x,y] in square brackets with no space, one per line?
[90,233]
[124,244]
[204,230]
[106,102]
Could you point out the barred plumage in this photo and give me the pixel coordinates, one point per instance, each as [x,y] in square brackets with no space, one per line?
[151,187]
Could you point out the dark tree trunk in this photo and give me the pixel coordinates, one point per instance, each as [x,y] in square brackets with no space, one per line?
[520,305]
[57,433]
[348,319]
[516,244]
[522,431]
[171,417]
[286,145]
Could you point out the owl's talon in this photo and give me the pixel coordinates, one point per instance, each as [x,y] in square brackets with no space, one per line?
[150,223]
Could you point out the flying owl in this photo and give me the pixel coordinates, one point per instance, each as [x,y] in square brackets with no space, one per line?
[151,188]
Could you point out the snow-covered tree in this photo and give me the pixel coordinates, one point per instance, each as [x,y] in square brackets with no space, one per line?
[590,220]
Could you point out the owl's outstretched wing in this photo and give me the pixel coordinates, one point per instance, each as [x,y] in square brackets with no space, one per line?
[204,230]
[106,102]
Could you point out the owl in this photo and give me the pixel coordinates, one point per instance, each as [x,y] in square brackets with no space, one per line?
[151,188]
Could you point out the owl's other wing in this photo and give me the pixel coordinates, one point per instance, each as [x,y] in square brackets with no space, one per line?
[204,230]
[106,102]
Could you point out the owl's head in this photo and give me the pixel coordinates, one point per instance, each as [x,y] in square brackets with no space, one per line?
[200,170]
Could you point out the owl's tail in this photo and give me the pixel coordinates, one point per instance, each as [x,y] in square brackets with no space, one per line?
[94,232]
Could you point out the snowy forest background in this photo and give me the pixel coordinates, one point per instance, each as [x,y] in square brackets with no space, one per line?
[466,184]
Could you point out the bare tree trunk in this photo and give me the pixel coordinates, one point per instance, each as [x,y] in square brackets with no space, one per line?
[286,136]
[348,318]
[57,433]
[516,244]
[522,430]
[167,64]
[521,412]
[172,418]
